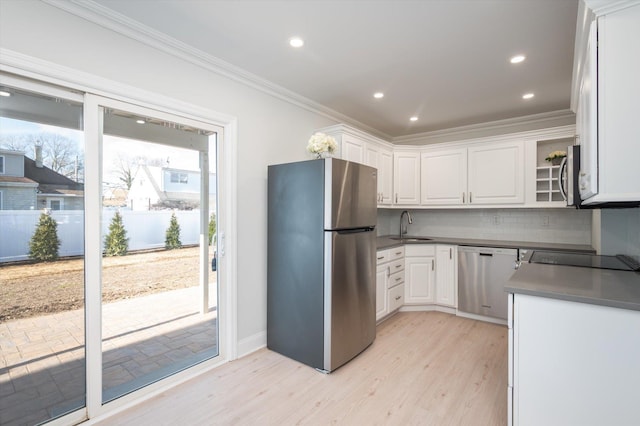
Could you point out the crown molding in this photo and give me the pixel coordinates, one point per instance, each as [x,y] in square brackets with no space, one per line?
[121,24]
[603,7]
[492,128]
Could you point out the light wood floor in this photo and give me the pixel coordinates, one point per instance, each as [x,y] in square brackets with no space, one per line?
[424,368]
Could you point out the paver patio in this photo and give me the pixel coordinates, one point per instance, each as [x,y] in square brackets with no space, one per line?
[42,369]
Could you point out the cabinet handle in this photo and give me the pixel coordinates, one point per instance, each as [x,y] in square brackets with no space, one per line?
[388,271]
[398,279]
[398,266]
[433,265]
[450,253]
[463,198]
[398,297]
[380,258]
[398,252]
[470,199]
[396,198]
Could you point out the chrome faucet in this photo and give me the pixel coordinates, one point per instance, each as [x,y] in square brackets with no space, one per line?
[409,219]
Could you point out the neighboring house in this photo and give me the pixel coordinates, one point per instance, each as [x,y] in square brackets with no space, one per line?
[17,192]
[27,184]
[160,187]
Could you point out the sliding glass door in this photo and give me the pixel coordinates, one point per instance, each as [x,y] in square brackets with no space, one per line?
[158,288]
[109,254]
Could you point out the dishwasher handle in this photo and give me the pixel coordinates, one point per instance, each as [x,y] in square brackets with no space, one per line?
[486,254]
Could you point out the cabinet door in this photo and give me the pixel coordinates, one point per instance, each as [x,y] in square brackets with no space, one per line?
[382,159]
[382,273]
[406,178]
[385,175]
[419,280]
[586,120]
[352,149]
[446,276]
[496,173]
[444,177]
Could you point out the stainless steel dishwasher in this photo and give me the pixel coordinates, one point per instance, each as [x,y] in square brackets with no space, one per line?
[482,274]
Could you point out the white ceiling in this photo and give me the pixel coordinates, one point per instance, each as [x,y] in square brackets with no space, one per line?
[446,61]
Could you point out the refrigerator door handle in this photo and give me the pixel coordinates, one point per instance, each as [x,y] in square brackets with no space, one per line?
[355,231]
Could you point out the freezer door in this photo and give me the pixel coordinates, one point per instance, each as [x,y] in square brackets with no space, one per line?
[350,195]
[350,297]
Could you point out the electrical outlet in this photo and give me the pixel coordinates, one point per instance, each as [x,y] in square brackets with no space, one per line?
[545,220]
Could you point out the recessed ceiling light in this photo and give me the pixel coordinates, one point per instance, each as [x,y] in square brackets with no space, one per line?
[517,59]
[528,96]
[378,95]
[140,121]
[296,42]
[4,93]
[414,118]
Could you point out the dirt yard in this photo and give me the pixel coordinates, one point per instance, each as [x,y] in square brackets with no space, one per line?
[43,288]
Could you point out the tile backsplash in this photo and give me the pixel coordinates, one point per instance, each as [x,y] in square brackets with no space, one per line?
[568,226]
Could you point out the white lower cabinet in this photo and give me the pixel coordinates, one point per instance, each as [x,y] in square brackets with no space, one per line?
[389,281]
[572,363]
[420,273]
[447,275]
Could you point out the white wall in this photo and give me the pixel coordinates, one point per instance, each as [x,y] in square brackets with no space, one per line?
[620,232]
[567,226]
[269,130]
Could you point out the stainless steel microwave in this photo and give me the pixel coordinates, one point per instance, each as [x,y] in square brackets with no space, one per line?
[569,183]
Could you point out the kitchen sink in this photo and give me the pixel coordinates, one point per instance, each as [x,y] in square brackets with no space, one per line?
[411,239]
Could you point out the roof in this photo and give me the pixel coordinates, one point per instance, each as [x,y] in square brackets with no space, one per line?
[15,179]
[45,176]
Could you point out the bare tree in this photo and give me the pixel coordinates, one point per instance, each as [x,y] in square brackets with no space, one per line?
[125,167]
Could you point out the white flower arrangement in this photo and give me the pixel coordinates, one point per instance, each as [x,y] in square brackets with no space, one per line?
[556,154]
[320,143]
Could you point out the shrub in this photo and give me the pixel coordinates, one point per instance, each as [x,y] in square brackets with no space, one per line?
[172,238]
[44,243]
[212,227]
[116,243]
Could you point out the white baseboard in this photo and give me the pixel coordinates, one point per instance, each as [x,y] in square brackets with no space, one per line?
[252,343]
[427,308]
[482,318]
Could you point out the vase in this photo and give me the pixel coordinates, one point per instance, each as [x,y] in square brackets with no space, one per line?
[556,161]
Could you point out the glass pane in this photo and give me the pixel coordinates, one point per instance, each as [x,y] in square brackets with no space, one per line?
[42,355]
[154,320]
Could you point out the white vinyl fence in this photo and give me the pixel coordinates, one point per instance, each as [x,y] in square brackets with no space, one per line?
[145,230]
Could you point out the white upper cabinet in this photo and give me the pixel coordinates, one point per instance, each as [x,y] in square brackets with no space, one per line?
[443,177]
[382,159]
[352,149]
[406,177]
[482,173]
[607,108]
[496,173]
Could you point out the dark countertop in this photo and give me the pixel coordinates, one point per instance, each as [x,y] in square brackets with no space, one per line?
[606,287]
[386,242]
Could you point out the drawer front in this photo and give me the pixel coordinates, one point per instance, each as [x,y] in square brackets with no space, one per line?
[396,297]
[396,253]
[382,256]
[396,266]
[395,279]
[420,250]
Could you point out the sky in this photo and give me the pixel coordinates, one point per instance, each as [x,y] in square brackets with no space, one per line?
[113,147]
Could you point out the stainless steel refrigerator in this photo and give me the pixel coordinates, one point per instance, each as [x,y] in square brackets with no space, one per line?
[321,261]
